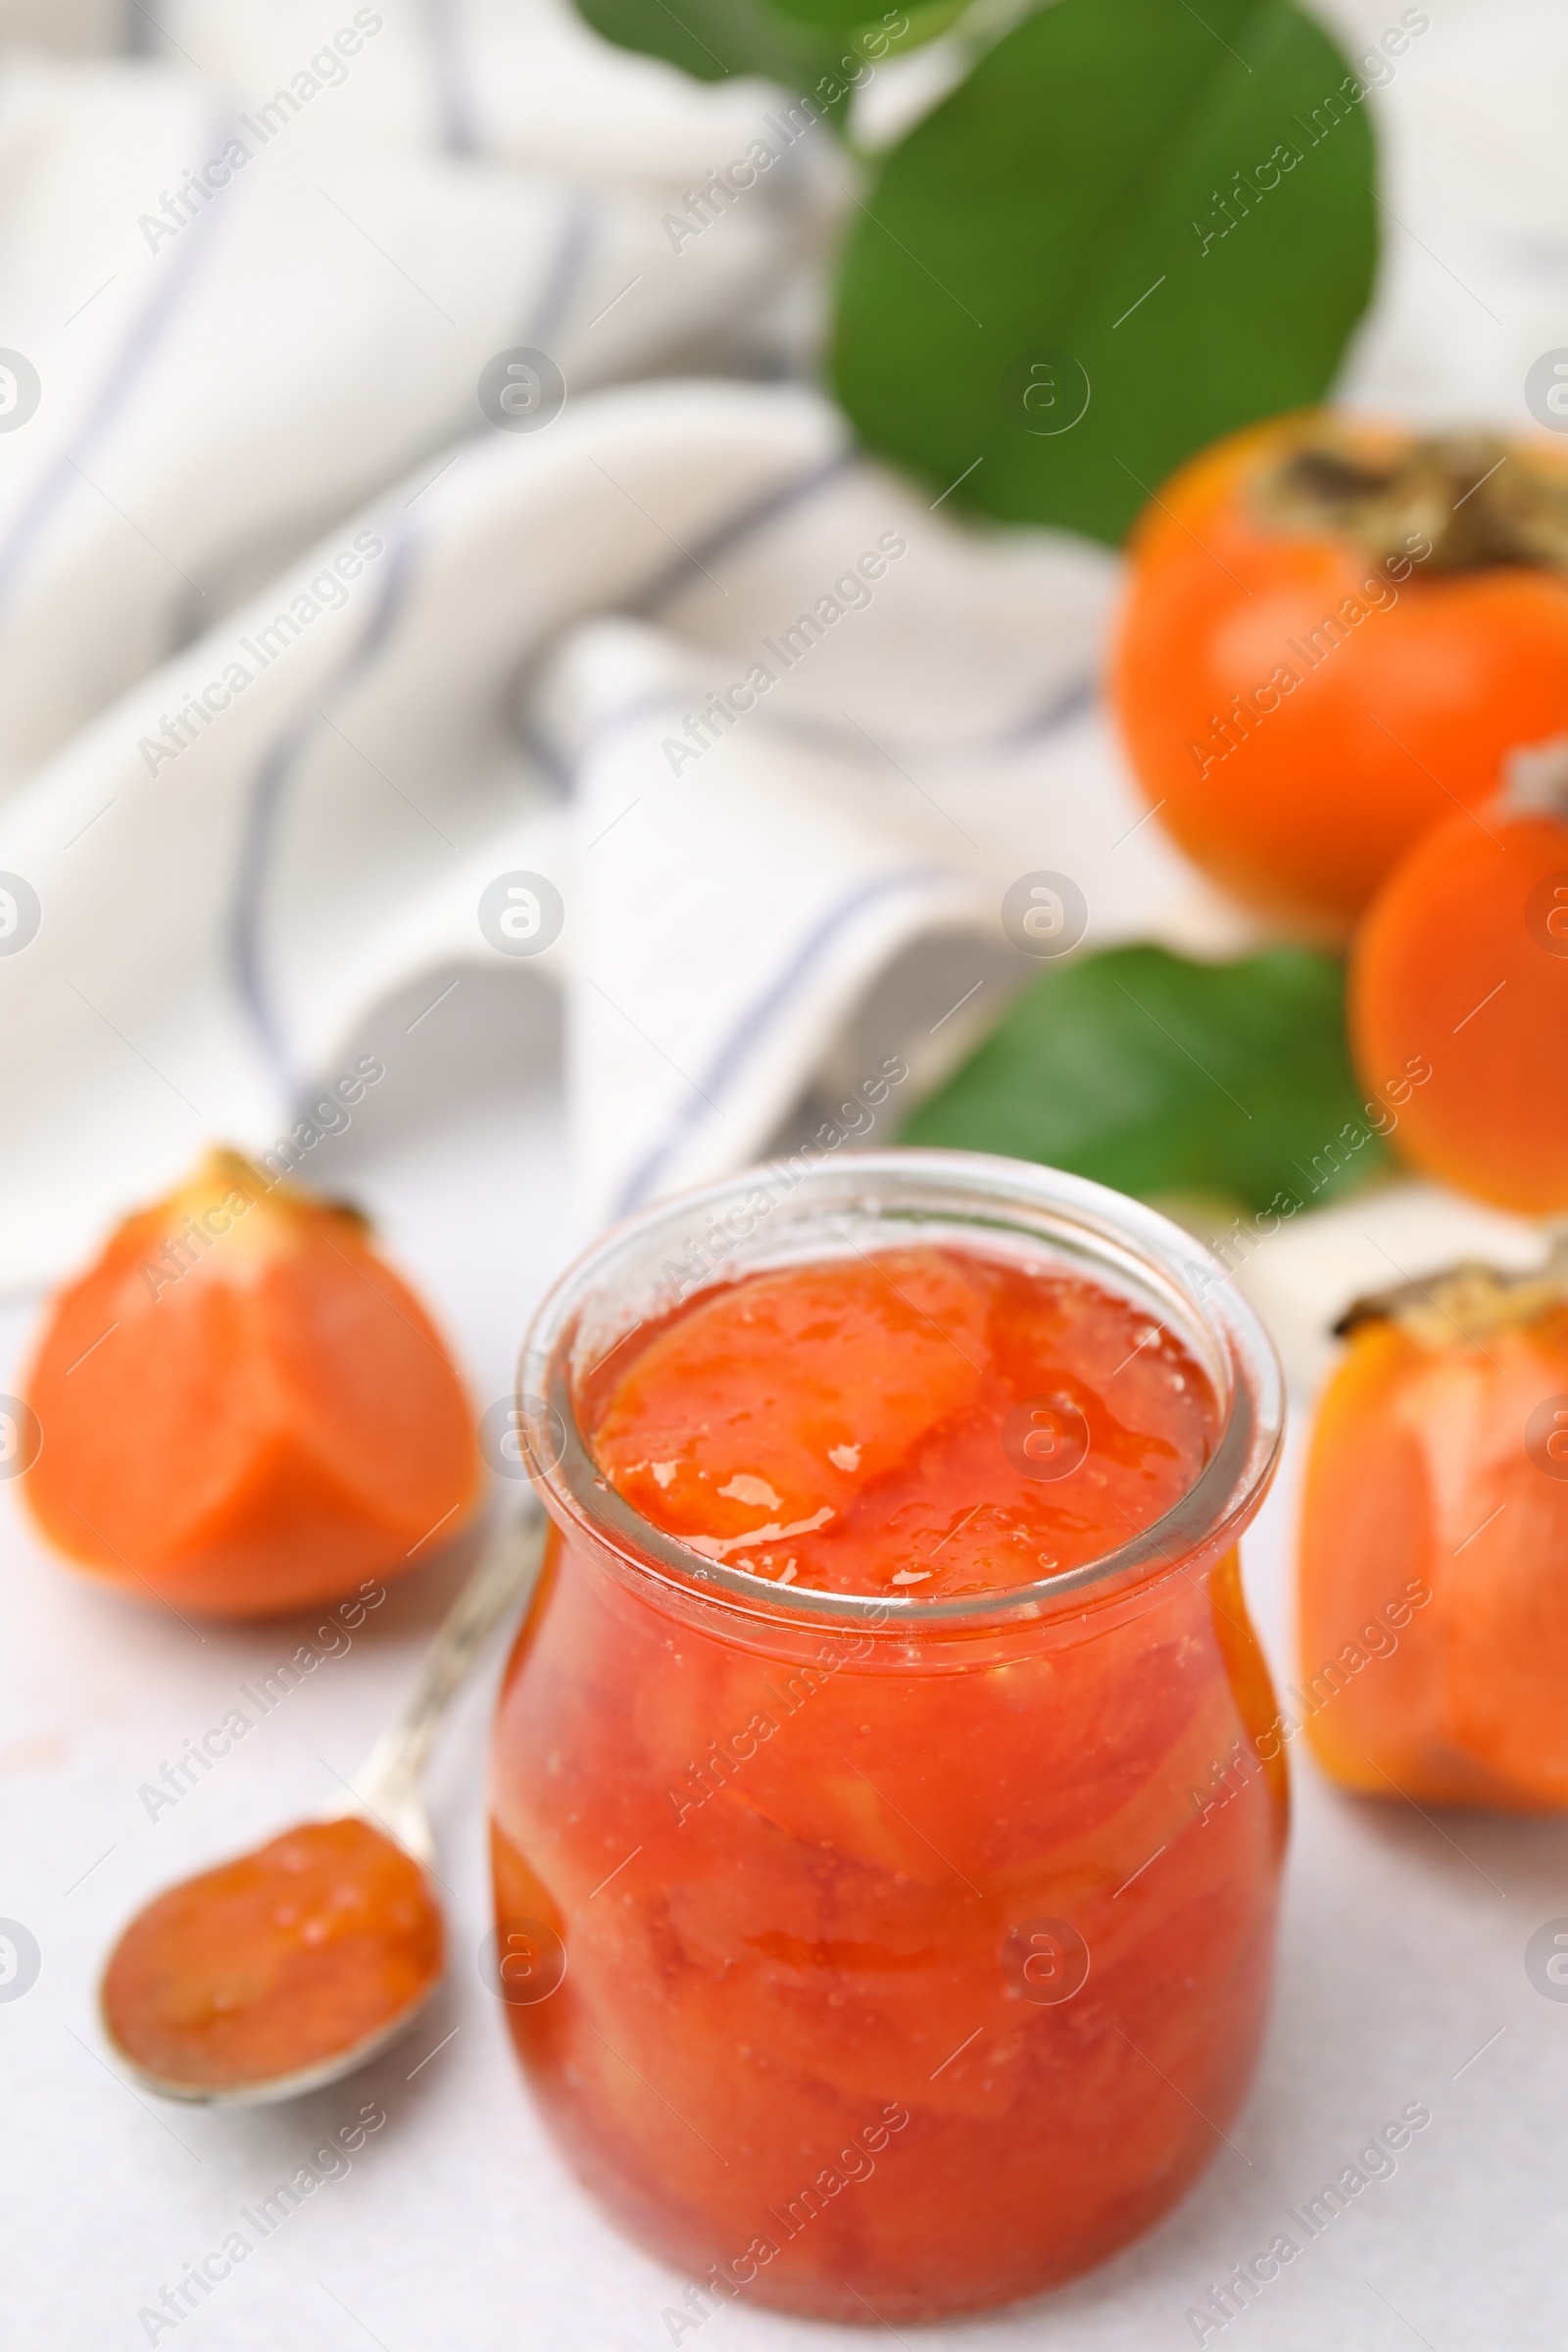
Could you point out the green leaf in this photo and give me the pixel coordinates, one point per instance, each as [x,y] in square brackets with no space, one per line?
[836,15]
[1055,235]
[715,38]
[877,32]
[1168,1078]
[817,48]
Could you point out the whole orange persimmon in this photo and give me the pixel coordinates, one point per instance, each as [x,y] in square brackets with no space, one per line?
[1463,960]
[1332,634]
[242,1409]
[1434,1606]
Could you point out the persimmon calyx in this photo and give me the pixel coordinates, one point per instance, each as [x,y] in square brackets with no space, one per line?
[1464,1304]
[1476,498]
[225,1171]
[1535,780]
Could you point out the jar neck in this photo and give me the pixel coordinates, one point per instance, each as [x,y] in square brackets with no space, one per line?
[883,1640]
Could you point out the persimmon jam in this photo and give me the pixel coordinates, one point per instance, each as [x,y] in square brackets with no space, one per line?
[919,1421]
[893,1965]
[280,1961]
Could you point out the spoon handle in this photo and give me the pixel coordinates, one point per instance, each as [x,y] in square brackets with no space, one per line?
[388,1782]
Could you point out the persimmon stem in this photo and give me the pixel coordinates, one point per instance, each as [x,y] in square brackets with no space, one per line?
[1474,499]
[1464,1304]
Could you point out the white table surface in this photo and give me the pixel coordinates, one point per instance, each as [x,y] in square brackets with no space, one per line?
[1402,1951]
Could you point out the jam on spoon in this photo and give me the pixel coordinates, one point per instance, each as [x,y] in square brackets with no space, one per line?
[325,1940]
[286,1969]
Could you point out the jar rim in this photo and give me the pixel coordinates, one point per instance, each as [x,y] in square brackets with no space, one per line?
[1022,1208]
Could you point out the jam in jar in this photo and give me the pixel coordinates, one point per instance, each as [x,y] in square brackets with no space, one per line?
[886,1838]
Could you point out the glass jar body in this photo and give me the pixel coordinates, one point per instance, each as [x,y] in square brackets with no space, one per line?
[874,1957]
[908,1979]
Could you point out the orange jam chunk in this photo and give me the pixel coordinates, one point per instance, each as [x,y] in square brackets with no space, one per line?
[921,1422]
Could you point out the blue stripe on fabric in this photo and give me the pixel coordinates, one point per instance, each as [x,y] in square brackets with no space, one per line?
[146,331]
[759,1016]
[459,127]
[554,301]
[269,786]
[264,817]
[1071,701]
[640,604]
[549,305]
[724,536]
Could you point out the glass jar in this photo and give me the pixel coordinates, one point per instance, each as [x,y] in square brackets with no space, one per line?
[872,1956]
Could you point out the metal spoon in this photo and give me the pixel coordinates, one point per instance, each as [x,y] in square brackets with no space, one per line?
[388,1795]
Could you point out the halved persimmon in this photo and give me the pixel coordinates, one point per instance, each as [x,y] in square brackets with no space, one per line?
[1462,960]
[1434,1608]
[1333,631]
[243,1409]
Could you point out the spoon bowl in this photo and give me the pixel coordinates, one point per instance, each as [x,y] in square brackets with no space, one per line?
[291,1966]
[276,2087]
